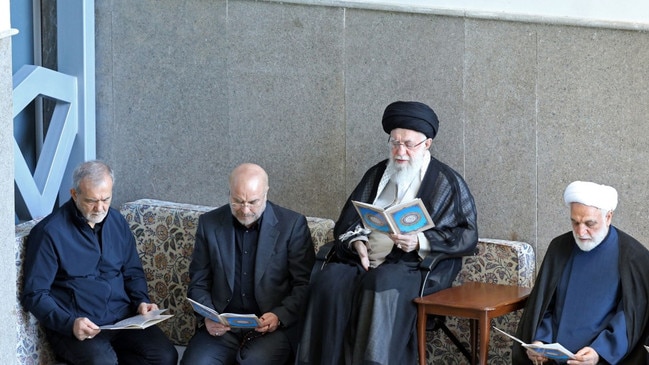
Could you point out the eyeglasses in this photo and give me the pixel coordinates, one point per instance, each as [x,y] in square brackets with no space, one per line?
[408,145]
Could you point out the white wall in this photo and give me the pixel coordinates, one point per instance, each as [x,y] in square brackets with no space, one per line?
[633,14]
[5,26]
[4,15]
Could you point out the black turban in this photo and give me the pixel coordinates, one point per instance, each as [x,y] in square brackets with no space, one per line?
[411,115]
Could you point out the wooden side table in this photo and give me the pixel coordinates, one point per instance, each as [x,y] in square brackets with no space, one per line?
[479,302]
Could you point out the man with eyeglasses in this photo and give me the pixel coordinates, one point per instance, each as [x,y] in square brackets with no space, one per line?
[250,256]
[360,308]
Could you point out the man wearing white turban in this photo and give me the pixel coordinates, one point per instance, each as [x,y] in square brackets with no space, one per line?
[591,294]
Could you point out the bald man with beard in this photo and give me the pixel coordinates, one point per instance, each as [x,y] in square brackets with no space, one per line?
[250,256]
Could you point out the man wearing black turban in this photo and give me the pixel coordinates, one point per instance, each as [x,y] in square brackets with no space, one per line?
[360,309]
[411,115]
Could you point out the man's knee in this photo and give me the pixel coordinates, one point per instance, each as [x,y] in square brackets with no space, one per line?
[107,357]
[97,352]
[199,355]
[271,349]
[167,355]
[261,358]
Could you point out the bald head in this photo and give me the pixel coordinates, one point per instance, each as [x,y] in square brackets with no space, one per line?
[248,189]
[249,174]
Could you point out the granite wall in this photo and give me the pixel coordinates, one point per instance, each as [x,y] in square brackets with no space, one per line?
[186,90]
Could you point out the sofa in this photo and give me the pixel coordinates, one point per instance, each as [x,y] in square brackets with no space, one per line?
[164,233]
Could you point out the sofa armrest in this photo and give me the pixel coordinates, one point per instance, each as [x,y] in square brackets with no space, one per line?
[32,347]
[433,258]
[322,232]
[321,257]
[499,262]
[323,251]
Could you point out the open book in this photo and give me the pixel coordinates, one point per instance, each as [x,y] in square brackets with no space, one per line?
[408,217]
[230,319]
[140,321]
[550,350]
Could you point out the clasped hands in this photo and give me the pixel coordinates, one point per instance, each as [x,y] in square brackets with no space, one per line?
[404,242]
[84,329]
[269,323]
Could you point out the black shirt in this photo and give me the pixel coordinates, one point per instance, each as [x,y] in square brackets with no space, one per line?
[243,294]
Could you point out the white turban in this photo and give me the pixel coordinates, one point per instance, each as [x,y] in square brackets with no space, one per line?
[588,193]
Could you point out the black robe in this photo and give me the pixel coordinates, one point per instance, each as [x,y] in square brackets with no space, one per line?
[634,284]
[349,307]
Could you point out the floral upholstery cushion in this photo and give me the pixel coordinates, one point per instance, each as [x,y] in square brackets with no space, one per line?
[321,231]
[498,262]
[32,347]
[165,234]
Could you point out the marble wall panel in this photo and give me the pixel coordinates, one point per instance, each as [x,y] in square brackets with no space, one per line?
[500,87]
[593,102]
[393,56]
[286,96]
[188,90]
[104,105]
[166,128]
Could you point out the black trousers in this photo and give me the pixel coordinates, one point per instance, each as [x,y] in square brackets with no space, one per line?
[149,346]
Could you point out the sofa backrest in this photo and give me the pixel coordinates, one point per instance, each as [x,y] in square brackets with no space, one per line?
[499,262]
[165,234]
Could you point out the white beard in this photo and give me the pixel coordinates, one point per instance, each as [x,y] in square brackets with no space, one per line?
[403,175]
[594,241]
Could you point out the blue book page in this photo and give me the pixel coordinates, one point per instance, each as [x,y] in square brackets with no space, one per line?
[241,320]
[373,217]
[410,217]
